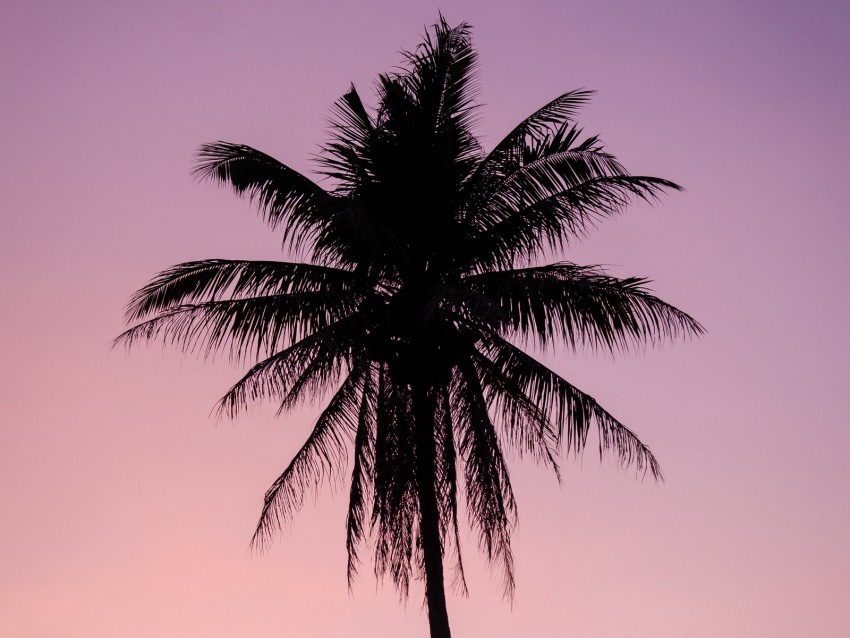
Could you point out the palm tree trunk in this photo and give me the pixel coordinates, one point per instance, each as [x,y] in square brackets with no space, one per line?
[429,518]
[435,592]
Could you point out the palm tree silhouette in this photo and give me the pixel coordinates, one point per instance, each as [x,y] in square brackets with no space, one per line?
[421,274]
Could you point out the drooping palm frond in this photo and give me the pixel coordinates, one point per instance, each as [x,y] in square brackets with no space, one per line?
[526,426]
[489,496]
[571,410]
[321,457]
[307,367]
[363,473]
[214,279]
[248,327]
[395,510]
[447,487]
[524,230]
[582,307]
[287,199]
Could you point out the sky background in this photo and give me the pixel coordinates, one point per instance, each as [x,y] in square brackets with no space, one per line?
[127,510]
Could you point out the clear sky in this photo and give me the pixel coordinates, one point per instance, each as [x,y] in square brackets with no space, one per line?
[127,511]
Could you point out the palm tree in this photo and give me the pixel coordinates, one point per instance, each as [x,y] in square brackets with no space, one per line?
[421,274]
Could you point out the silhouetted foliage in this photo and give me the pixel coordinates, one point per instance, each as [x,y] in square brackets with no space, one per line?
[418,284]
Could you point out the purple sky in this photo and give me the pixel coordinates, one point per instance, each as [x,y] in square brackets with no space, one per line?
[127,510]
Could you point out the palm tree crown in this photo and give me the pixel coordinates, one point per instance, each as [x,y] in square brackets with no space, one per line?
[421,273]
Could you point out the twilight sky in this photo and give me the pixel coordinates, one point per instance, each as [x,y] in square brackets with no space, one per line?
[127,510]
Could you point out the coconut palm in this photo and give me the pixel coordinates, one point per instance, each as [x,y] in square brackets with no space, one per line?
[422,274]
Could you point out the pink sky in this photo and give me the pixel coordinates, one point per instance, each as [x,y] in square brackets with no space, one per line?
[127,510]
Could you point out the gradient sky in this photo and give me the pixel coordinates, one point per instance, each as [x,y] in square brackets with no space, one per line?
[127,511]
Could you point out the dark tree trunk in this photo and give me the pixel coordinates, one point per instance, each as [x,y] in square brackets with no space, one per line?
[429,517]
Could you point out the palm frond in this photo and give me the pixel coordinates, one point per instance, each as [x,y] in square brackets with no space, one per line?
[572,410]
[554,114]
[489,496]
[526,425]
[305,367]
[322,456]
[213,279]
[582,307]
[347,157]
[395,510]
[506,156]
[447,488]
[287,199]
[521,230]
[243,327]
[352,118]
[551,174]
[363,473]
[441,77]
[354,237]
